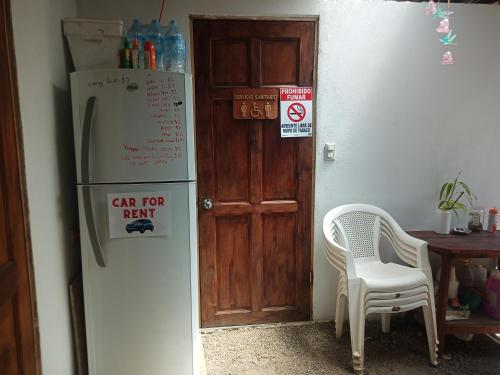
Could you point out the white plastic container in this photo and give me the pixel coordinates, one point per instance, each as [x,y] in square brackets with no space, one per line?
[443,221]
[93,43]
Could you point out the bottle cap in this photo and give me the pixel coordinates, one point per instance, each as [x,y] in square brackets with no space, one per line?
[172,27]
[493,210]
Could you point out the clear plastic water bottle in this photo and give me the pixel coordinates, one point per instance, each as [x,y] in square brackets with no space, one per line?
[135,38]
[155,36]
[175,49]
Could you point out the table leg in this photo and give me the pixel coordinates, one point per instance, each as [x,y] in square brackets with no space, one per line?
[442,300]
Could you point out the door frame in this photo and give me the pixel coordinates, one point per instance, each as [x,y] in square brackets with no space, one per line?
[29,338]
[289,18]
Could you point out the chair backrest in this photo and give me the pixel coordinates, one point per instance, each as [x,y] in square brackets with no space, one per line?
[356,227]
[360,232]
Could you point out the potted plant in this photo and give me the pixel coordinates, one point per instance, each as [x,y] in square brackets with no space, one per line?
[450,197]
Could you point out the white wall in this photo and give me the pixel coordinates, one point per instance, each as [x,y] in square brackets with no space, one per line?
[402,122]
[47,132]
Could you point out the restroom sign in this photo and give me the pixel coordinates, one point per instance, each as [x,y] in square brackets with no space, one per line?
[296,112]
[143,214]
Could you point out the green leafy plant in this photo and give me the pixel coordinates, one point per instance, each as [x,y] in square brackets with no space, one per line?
[452,192]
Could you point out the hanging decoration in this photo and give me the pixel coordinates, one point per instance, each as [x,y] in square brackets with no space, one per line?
[431,8]
[444,27]
[447,58]
[440,13]
[448,39]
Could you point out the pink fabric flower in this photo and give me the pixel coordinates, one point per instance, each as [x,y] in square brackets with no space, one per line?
[431,8]
[444,26]
[447,58]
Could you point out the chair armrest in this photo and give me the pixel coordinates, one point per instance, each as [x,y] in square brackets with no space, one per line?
[338,256]
[410,250]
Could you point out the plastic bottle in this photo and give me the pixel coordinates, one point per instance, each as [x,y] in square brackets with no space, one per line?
[155,36]
[492,220]
[465,274]
[492,306]
[453,285]
[149,56]
[127,57]
[480,276]
[136,56]
[175,49]
[136,40]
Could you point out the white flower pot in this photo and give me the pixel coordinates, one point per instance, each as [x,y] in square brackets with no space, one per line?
[443,221]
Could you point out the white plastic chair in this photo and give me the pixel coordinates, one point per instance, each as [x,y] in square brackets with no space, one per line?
[352,235]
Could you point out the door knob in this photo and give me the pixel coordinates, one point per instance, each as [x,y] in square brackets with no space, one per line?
[207,204]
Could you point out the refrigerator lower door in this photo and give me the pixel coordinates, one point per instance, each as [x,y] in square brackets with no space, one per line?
[141,308]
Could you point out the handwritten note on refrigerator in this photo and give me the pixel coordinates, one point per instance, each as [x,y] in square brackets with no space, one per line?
[165,108]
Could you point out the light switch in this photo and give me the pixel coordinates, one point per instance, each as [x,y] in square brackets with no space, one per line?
[330,151]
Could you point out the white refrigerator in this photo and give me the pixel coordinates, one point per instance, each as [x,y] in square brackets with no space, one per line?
[134,147]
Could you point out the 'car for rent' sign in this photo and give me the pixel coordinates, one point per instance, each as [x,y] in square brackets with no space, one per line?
[139,214]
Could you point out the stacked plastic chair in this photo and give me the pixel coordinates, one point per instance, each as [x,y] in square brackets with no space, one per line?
[352,235]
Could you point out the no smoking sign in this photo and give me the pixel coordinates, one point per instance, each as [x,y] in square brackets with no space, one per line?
[296,112]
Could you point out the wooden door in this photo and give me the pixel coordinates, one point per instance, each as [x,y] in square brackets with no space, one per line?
[255,243]
[17,337]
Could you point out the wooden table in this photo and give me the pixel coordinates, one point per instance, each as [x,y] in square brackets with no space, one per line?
[449,247]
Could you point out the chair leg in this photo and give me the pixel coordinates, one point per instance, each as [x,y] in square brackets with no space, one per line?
[386,323]
[339,314]
[357,327]
[431,333]
[433,311]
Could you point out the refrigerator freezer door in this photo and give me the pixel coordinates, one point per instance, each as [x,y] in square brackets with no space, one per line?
[141,310]
[132,126]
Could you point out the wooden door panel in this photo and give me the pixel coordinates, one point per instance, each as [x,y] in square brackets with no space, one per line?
[231,151]
[17,329]
[278,155]
[279,260]
[225,54]
[233,264]
[8,280]
[8,352]
[284,49]
[304,220]
[4,254]
[255,243]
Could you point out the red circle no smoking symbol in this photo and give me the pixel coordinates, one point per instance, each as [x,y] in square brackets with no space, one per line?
[296,112]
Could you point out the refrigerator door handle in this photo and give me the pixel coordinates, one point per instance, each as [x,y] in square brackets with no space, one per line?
[89,218]
[88,123]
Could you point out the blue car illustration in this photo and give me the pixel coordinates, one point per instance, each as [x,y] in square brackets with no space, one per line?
[140,225]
